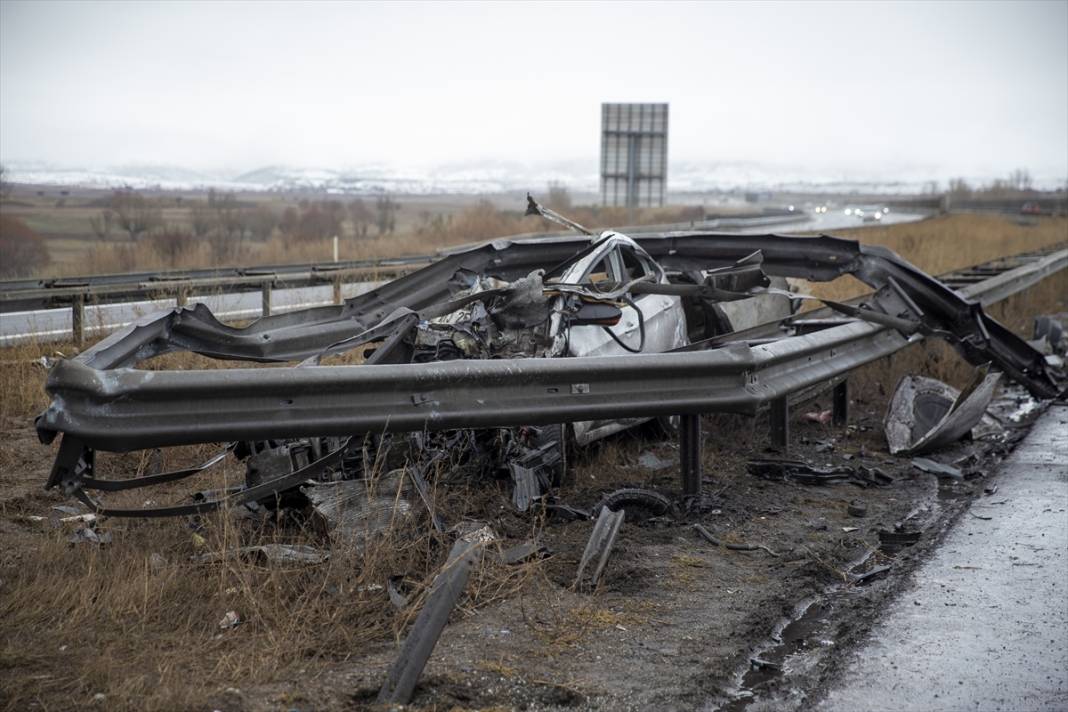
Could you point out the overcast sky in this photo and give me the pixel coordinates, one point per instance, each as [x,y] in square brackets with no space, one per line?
[956,88]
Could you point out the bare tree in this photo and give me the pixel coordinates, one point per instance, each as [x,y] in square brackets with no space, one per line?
[260,222]
[23,249]
[361,217]
[102,223]
[386,214]
[959,186]
[135,213]
[1020,179]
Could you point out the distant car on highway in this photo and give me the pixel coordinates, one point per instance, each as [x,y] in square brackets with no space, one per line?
[1031,208]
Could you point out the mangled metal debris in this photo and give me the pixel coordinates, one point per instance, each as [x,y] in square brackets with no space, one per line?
[939,469]
[493,361]
[354,511]
[926,415]
[445,591]
[268,554]
[804,473]
[599,547]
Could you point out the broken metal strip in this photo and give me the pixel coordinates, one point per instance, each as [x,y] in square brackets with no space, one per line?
[72,482]
[445,592]
[150,480]
[302,334]
[149,409]
[602,539]
[999,286]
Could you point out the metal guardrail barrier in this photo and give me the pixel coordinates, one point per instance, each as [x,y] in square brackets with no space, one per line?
[100,405]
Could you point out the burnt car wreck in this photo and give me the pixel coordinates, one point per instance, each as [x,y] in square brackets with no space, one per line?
[493,360]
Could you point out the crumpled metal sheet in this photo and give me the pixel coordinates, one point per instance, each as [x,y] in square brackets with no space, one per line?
[926,415]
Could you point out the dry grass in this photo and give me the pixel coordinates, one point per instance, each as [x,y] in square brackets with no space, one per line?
[949,242]
[480,221]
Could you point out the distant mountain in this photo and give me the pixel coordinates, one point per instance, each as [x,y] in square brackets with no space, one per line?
[580,176]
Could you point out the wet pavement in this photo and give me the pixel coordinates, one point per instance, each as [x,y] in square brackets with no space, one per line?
[984,625]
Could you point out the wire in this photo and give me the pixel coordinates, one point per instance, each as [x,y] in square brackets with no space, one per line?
[641,329]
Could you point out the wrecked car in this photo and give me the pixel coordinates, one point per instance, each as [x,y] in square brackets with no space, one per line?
[490,361]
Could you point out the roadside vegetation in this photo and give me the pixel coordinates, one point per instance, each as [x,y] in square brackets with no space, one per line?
[52,232]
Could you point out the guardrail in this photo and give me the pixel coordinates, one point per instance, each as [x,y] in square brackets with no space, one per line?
[768,366]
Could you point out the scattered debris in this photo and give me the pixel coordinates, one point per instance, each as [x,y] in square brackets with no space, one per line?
[979,516]
[444,593]
[474,532]
[857,508]
[711,539]
[602,539]
[521,552]
[759,664]
[230,620]
[850,530]
[891,542]
[639,503]
[823,417]
[355,510]
[990,490]
[651,461]
[925,414]
[568,511]
[804,473]
[268,553]
[398,599]
[89,535]
[869,576]
[156,562]
[937,468]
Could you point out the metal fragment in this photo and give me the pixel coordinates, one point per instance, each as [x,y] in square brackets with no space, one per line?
[602,539]
[445,591]
[925,415]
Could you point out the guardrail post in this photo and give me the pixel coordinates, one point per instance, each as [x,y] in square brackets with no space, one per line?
[690,454]
[779,424]
[337,289]
[182,297]
[77,320]
[266,288]
[840,403]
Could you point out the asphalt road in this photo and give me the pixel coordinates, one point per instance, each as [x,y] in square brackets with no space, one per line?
[984,625]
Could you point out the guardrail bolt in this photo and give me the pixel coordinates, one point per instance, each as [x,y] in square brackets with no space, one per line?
[779,424]
[690,454]
[840,403]
[77,320]
[266,287]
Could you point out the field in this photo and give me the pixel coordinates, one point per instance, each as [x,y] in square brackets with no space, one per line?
[135,624]
[198,230]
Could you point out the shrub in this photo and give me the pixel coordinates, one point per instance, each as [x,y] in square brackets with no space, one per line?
[22,251]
